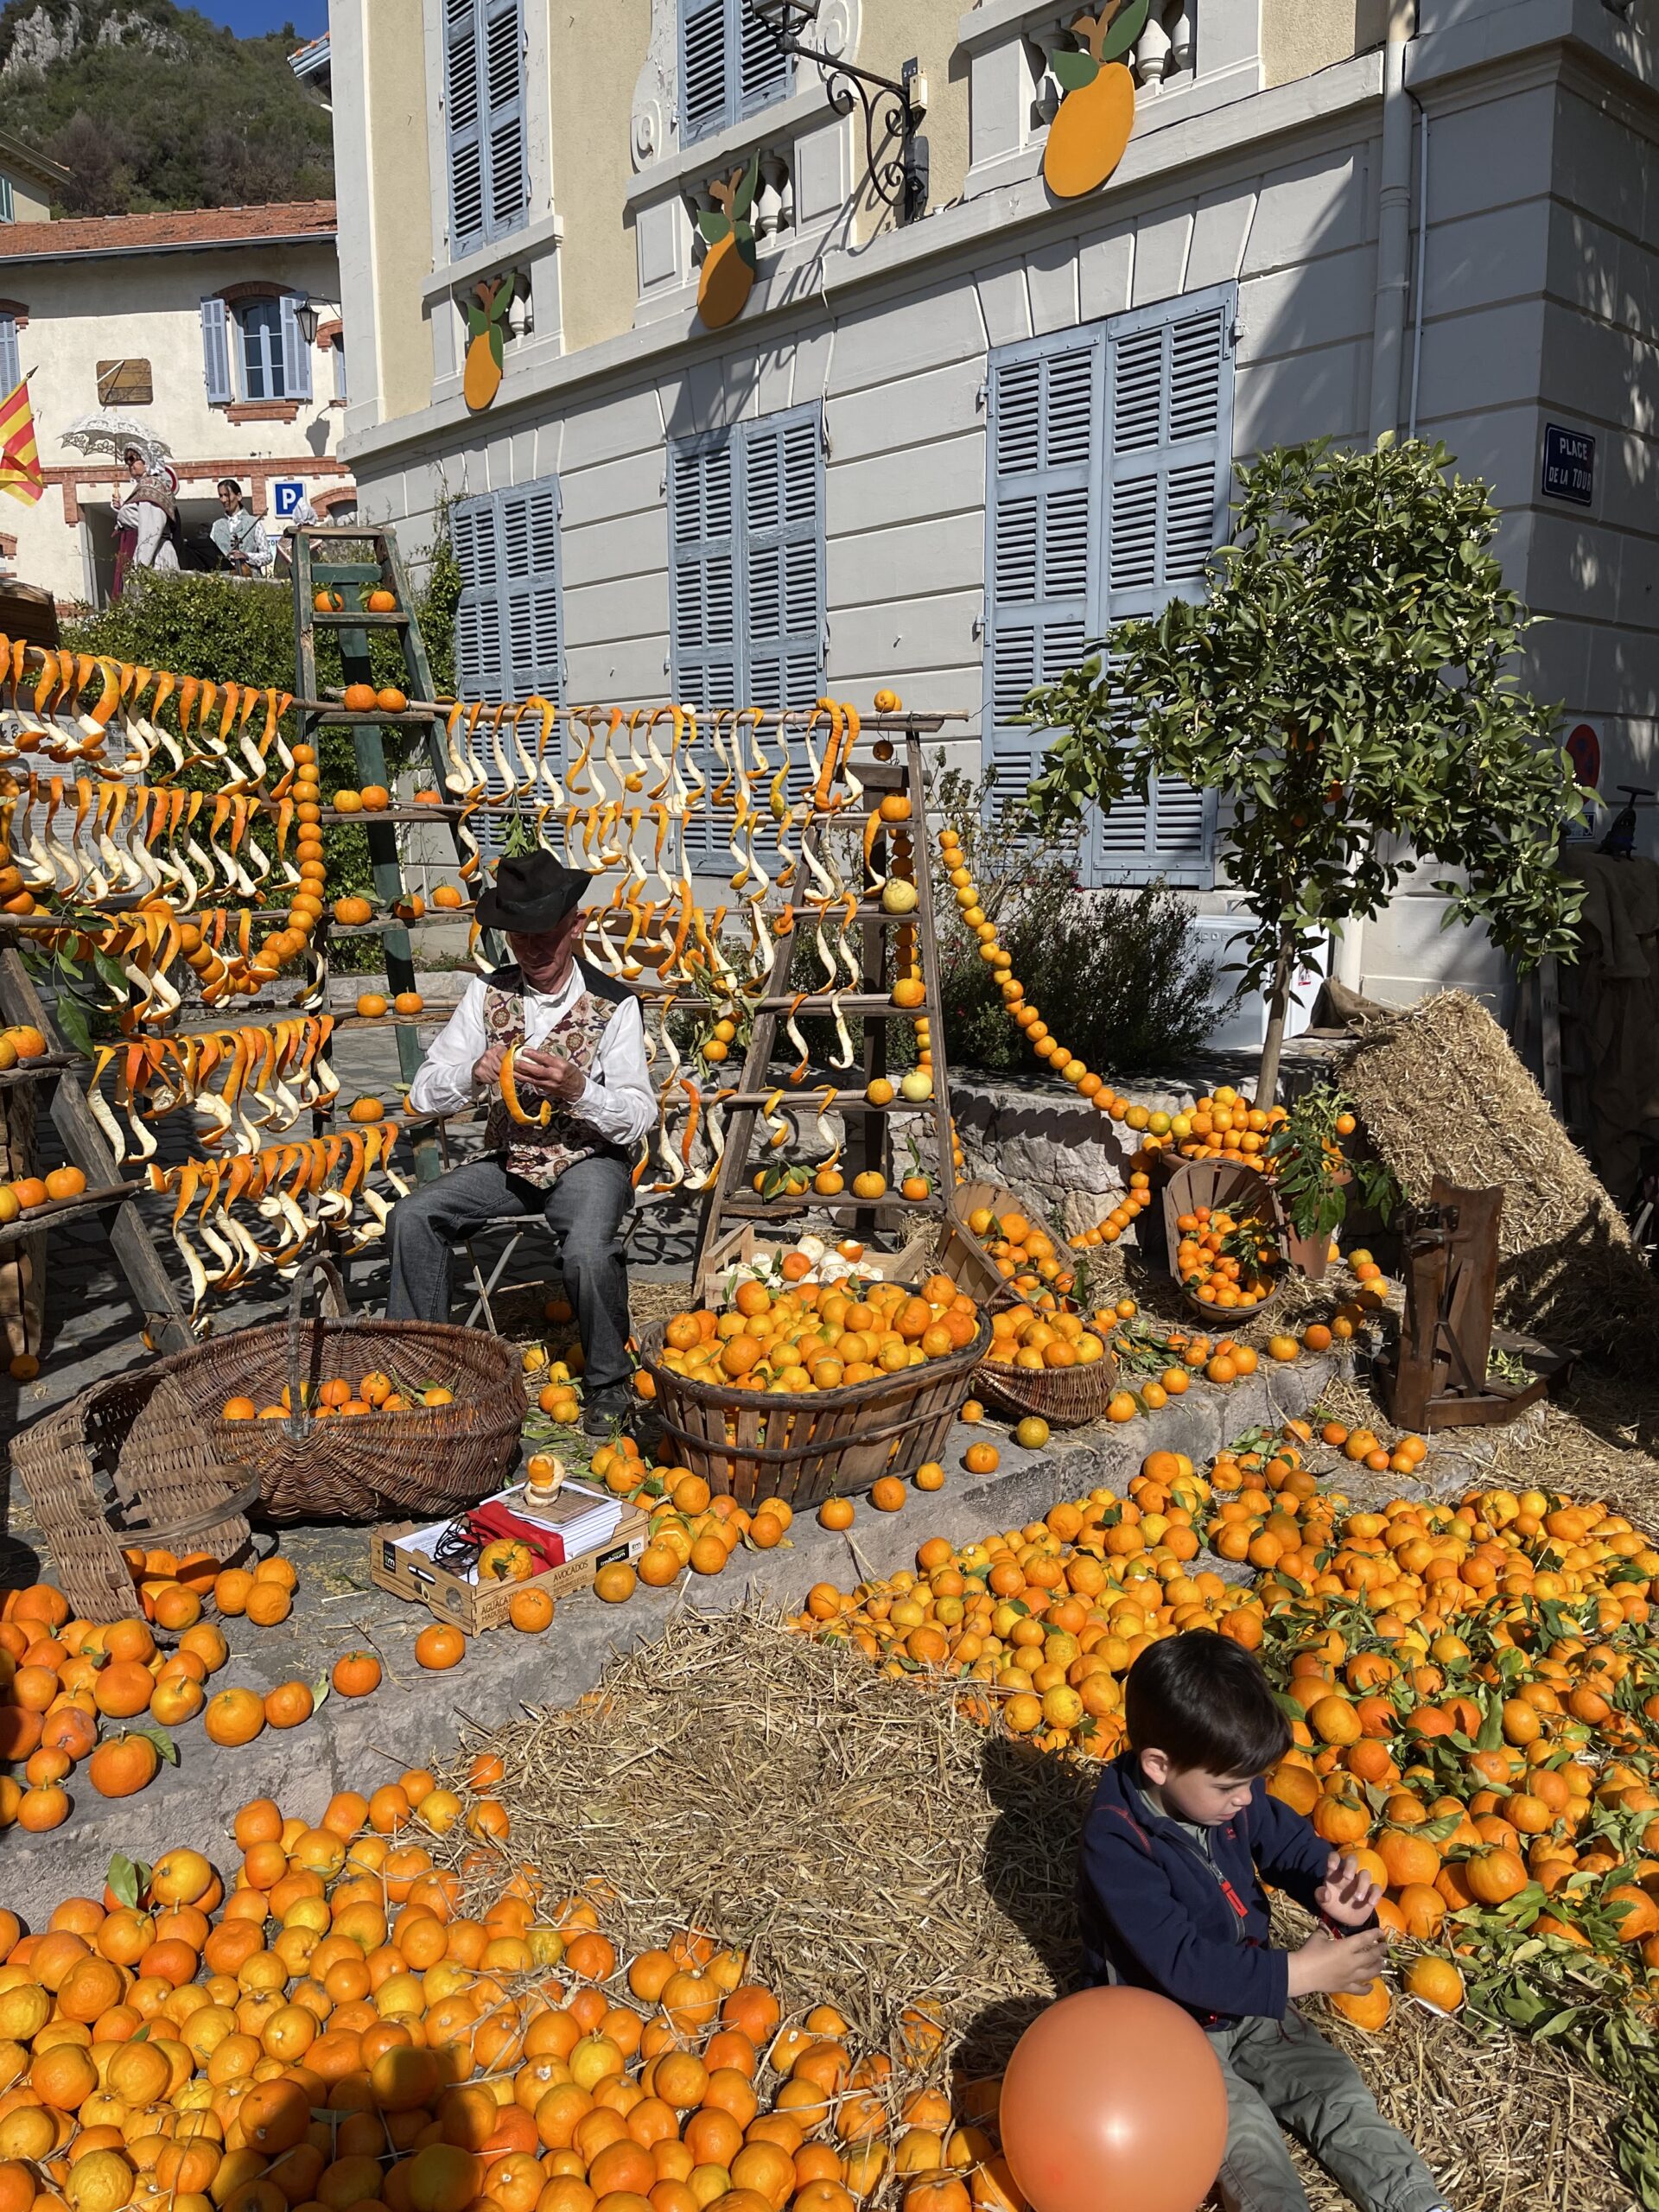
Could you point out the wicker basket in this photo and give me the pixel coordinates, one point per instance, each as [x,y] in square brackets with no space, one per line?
[376,1466]
[805,1446]
[1065,1397]
[130,1462]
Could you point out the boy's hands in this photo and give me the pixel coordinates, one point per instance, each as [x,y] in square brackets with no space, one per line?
[1326,1964]
[1348,1894]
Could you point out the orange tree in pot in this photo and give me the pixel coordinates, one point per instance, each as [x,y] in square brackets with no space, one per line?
[1348,679]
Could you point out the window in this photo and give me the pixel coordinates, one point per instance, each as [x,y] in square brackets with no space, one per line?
[746,582]
[338,349]
[7,205]
[11,373]
[509,618]
[252,350]
[484,92]
[260,326]
[730,66]
[1110,460]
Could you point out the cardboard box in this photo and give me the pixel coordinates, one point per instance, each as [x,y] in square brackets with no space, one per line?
[398,1563]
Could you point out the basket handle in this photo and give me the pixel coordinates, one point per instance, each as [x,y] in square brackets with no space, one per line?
[317,1264]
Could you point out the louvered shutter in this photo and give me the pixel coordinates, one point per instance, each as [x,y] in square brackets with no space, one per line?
[763,71]
[481,661]
[215,351]
[11,371]
[704,75]
[1044,407]
[530,554]
[296,354]
[706,523]
[1168,467]
[783,559]
[507,174]
[464,100]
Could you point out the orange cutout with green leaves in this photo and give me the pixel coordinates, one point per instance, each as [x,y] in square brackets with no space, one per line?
[1091,129]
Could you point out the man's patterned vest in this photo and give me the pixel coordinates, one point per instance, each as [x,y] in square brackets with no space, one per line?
[541,1156]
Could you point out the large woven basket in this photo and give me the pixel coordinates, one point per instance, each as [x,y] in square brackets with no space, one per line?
[130,1463]
[805,1447]
[1065,1397]
[375,1466]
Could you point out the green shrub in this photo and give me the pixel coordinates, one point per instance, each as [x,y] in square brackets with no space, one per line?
[1118,975]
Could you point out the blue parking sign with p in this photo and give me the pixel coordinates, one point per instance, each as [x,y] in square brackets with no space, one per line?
[287,494]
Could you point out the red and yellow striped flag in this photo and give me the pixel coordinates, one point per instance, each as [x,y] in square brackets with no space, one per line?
[20,458]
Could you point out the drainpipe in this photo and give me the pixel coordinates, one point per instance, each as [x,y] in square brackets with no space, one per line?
[1388,330]
[1394,225]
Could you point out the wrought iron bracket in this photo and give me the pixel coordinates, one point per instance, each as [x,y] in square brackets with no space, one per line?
[895,153]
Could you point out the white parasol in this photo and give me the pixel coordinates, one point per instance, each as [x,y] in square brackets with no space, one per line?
[114,434]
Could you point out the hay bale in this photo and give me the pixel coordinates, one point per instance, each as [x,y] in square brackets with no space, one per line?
[873,1847]
[1440,1091]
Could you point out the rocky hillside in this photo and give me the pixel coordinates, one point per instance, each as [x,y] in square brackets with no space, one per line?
[149,106]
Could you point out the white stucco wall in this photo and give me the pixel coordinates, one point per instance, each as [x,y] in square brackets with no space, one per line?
[85,310]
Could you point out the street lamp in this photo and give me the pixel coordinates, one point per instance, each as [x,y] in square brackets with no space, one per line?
[892,111]
[305,321]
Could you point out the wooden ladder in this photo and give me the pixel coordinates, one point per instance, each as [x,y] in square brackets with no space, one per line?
[869,1128]
[316,572]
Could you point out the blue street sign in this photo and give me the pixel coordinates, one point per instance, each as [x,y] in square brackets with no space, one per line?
[1569,464]
[286,495]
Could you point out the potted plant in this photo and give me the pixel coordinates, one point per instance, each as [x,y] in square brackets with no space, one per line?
[1313,1176]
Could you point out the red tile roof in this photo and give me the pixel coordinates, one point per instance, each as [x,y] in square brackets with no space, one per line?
[193,226]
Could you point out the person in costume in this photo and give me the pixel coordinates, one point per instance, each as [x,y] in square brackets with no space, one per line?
[580,1044]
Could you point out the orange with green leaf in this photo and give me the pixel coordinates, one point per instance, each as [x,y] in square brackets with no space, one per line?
[729,265]
[486,339]
[1088,136]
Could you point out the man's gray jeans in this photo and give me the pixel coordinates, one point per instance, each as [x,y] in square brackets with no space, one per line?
[585,1210]
[1284,2074]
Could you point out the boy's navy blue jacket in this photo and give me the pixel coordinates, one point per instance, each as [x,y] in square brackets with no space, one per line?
[1156,1914]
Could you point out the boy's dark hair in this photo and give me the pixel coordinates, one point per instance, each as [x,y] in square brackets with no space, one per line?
[1203,1700]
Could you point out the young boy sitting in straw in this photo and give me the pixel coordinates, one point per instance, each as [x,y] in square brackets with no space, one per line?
[1180,1838]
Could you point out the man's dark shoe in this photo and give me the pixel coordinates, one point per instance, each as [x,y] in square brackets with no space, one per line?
[605,1412]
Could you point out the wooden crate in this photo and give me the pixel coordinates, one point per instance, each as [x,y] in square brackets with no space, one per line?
[396,1566]
[739,1246]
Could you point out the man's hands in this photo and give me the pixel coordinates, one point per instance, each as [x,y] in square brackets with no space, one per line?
[1348,1894]
[533,1071]
[1326,1964]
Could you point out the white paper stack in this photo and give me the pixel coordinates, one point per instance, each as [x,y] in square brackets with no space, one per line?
[585,1518]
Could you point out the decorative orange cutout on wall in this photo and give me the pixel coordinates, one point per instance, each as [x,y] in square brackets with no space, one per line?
[1091,128]
[728,266]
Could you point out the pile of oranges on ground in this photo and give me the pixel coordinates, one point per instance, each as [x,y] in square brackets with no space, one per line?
[335,2029]
[1225,1260]
[343,1399]
[99,1698]
[1475,1680]
[816,1337]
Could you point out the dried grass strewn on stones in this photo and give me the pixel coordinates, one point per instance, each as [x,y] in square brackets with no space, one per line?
[1440,1091]
[874,1848]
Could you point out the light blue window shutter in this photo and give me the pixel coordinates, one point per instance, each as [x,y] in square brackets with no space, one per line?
[1168,473]
[463,77]
[11,373]
[782,564]
[1042,525]
[504,84]
[480,660]
[705,74]
[705,520]
[216,351]
[763,74]
[296,354]
[530,575]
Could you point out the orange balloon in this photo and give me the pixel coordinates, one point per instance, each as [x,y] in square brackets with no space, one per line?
[1114,2101]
